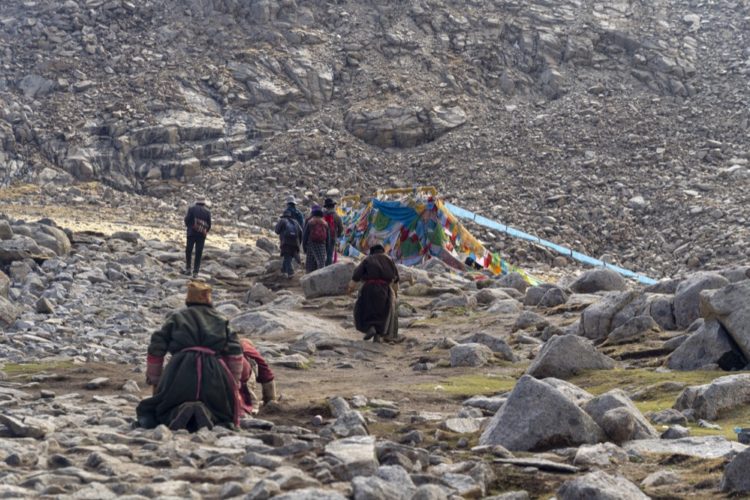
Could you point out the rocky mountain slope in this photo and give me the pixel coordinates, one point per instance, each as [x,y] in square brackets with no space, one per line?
[617,128]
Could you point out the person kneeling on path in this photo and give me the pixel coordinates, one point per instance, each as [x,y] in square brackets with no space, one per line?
[375,312]
[200,385]
[198,224]
[316,240]
[290,238]
[255,369]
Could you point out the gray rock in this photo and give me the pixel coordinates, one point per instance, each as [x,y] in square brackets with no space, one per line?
[430,492]
[633,330]
[567,355]
[8,312]
[661,478]
[490,404]
[675,432]
[498,345]
[375,488]
[528,320]
[510,495]
[331,280]
[538,416]
[618,426]
[668,416]
[730,307]
[6,232]
[662,310]
[263,490]
[129,236]
[462,425]
[687,296]
[311,494]
[97,383]
[599,485]
[291,478]
[711,400]
[259,294]
[470,355]
[553,297]
[707,447]
[513,280]
[4,285]
[736,479]
[44,306]
[709,345]
[570,391]
[600,455]
[23,247]
[28,427]
[259,460]
[598,280]
[34,86]
[356,454]
[599,319]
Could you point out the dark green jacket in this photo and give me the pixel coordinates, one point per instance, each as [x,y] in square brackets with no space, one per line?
[192,326]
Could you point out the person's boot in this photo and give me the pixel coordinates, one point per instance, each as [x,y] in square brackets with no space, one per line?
[184,415]
[203,417]
[371,332]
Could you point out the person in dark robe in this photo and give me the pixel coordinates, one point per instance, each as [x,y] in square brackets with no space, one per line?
[316,240]
[200,385]
[255,369]
[198,224]
[375,309]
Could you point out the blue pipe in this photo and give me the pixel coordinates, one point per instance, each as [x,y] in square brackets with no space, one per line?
[484,221]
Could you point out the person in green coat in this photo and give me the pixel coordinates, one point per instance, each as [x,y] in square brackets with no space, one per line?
[200,385]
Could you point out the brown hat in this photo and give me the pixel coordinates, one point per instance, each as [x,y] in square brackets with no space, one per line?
[198,292]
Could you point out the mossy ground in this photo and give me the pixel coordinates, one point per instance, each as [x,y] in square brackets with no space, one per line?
[24,370]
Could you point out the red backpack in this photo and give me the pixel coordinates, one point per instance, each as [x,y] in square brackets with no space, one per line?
[331,223]
[318,232]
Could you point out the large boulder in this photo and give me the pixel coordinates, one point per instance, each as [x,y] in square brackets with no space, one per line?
[537,416]
[53,238]
[22,247]
[687,296]
[354,456]
[731,307]
[599,485]
[567,355]
[634,329]
[709,345]
[599,319]
[598,280]
[331,280]
[470,355]
[498,345]
[6,232]
[736,479]
[4,285]
[8,312]
[600,409]
[710,400]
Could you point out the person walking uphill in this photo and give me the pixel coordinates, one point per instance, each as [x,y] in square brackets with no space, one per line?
[291,205]
[200,385]
[290,238]
[316,240]
[198,224]
[375,311]
[337,228]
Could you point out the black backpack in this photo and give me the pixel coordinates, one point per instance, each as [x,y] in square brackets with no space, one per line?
[290,234]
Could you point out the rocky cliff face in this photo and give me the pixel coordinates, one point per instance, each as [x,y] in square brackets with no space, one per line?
[614,127]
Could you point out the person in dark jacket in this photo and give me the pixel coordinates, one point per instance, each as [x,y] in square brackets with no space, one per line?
[291,205]
[200,385]
[337,228]
[290,239]
[198,224]
[316,240]
[375,311]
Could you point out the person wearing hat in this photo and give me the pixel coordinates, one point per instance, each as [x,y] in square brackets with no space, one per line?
[200,385]
[291,205]
[337,228]
[316,240]
[290,239]
[198,224]
[375,311]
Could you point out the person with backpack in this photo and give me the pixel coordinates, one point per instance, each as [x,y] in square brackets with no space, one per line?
[335,225]
[316,240]
[290,238]
[198,224]
[291,205]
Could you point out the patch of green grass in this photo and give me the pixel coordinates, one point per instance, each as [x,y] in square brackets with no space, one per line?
[471,385]
[28,369]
